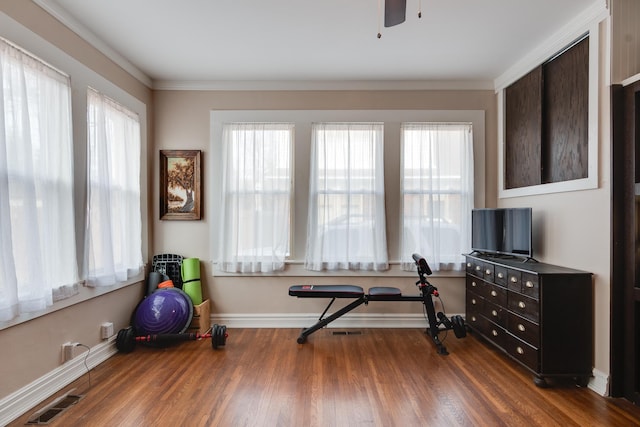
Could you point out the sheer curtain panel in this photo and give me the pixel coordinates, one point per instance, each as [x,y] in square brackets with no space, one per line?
[256,197]
[437,193]
[37,234]
[113,246]
[346,224]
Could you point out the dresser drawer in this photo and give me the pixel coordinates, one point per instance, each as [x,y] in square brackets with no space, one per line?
[495,333]
[488,272]
[523,352]
[475,303]
[501,276]
[495,313]
[514,280]
[530,285]
[524,306]
[476,285]
[524,329]
[494,294]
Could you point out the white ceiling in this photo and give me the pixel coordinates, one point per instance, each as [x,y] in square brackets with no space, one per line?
[322,40]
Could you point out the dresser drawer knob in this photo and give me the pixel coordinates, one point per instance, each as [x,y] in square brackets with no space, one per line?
[521,327]
[500,275]
[473,318]
[494,313]
[513,279]
[529,284]
[468,265]
[519,350]
[473,284]
[494,294]
[487,272]
[473,301]
[494,332]
[521,304]
[478,268]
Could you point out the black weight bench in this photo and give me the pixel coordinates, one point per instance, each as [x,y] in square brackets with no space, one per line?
[359,297]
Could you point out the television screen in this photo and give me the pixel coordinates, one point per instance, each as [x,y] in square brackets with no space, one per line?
[504,231]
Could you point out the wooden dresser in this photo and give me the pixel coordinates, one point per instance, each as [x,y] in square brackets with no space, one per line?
[539,314]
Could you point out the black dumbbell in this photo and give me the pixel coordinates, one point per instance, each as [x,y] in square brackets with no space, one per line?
[127,338]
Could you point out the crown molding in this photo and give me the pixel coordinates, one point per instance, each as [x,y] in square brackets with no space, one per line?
[53,9]
[273,85]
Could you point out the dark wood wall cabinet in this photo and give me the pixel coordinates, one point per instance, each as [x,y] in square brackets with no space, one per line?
[547,121]
[539,314]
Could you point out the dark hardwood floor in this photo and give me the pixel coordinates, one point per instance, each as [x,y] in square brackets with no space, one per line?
[378,377]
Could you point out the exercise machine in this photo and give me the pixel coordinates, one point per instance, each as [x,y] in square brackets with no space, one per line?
[437,321]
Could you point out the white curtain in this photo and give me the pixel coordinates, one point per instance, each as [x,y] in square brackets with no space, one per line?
[113,246]
[256,205]
[437,193]
[38,249]
[346,223]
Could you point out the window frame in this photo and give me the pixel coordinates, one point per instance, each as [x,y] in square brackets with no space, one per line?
[302,119]
[82,77]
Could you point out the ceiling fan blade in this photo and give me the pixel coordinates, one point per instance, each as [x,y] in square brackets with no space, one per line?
[394,12]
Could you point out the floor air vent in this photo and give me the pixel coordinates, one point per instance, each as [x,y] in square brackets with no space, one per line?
[54,409]
[347,333]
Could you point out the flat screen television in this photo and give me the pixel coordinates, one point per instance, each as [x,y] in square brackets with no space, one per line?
[502,231]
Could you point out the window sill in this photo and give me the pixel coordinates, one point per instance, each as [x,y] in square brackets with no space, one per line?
[296,269]
[85,293]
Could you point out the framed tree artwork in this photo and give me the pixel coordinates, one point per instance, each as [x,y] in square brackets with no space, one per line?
[180,184]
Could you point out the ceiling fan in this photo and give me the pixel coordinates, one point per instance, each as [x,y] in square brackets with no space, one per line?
[395,12]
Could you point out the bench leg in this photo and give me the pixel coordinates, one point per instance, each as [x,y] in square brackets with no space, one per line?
[324,322]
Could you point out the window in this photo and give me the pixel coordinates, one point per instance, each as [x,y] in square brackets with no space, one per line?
[37,234]
[346,219]
[256,196]
[437,193]
[113,252]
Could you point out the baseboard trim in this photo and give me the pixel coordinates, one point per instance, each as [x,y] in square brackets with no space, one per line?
[354,320]
[599,383]
[28,397]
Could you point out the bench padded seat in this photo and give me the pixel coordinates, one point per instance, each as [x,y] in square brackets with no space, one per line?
[380,291]
[326,291]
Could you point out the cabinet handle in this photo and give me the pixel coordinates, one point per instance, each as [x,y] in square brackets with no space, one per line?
[529,284]
[520,350]
[494,313]
[487,272]
[521,327]
[473,284]
[478,268]
[514,279]
[521,304]
[473,318]
[473,301]
[500,275]
[468,264]
[494,332]
[494,294]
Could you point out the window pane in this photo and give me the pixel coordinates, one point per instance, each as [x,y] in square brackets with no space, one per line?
[437,187]
[346,220]
[256,196]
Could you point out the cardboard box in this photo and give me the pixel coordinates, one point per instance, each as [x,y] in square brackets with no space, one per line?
[201,321]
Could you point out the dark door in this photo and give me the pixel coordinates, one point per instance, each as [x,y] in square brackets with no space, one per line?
[625,257]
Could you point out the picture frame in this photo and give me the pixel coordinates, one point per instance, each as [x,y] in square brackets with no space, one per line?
[180,175]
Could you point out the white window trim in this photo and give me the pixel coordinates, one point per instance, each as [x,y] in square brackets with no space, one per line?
[302,119]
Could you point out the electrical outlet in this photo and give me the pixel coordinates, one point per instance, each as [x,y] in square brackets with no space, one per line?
[106,330]
[67,351]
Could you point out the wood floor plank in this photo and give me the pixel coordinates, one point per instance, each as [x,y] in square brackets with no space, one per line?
[380,377]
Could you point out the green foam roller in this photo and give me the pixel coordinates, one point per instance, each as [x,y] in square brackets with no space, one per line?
[194,290]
